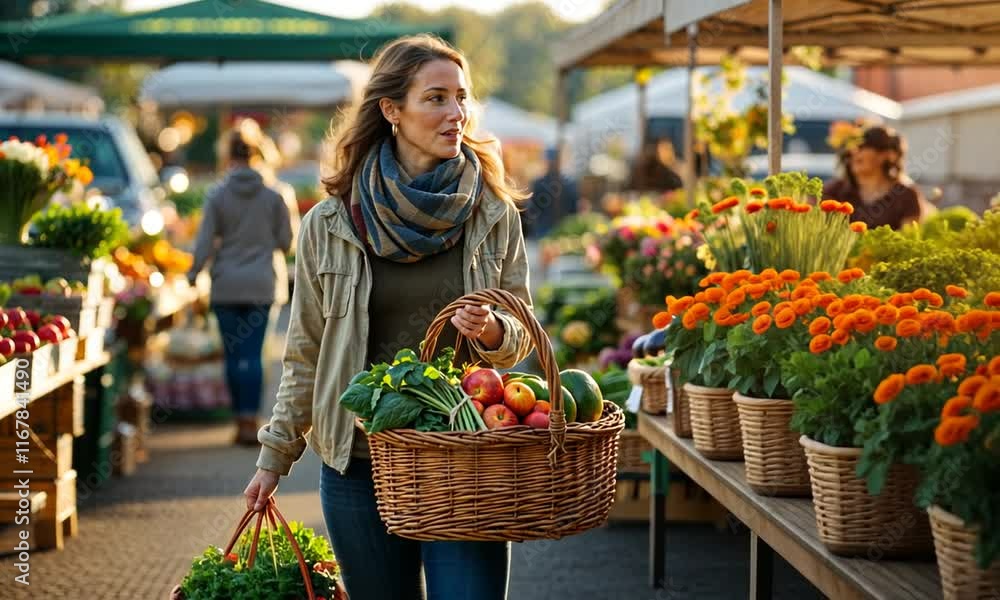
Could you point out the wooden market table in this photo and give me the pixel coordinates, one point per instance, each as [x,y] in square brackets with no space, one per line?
[784,525]
[8,406]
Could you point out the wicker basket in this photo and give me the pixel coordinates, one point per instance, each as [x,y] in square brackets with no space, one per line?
[512,484]
[681,408]
[631,445]
[775,462]
[715,422]
[851,522]
[961,577]
[654,386]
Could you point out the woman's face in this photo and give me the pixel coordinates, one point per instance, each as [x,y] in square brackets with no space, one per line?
[866,161]
[433,116]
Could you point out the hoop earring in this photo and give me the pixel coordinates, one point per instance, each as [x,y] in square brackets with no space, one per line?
[395,129]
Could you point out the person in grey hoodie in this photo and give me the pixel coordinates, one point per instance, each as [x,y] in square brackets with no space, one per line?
[243,223]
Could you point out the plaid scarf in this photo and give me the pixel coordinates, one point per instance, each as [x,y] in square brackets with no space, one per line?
[406,219]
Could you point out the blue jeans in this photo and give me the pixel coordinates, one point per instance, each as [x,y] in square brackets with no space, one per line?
[243,327]
[376,565]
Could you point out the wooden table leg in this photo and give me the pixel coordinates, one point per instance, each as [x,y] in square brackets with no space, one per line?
[660,480]
[761,569]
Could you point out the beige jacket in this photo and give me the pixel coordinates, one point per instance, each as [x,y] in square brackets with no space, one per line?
[329,325]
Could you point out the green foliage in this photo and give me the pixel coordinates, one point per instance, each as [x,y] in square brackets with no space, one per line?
[275,573]
[953,218]
[580,322]
[700,354]
[616,386]
[189,201]
[409,393]
[975,269]
[82,230]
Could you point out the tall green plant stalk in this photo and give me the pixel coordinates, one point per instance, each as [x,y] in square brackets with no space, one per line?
[21,198]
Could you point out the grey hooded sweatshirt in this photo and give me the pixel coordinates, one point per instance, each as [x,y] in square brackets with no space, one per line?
[243,223]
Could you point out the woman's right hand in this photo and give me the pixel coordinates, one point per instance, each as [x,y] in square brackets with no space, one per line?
[260,488]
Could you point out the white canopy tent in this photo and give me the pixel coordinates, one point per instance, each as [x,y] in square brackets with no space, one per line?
[514,124]
[295,84]
[611,117]
[25,89]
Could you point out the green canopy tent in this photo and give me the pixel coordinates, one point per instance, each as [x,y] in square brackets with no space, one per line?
[220,30]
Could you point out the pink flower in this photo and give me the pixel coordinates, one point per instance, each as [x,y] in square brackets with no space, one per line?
[627,234]
[649,247]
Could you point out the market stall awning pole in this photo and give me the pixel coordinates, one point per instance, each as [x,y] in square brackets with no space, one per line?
[640,81]
[690,171]
[560,110]
[774,60]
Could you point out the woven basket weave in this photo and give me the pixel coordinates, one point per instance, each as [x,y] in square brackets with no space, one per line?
[961,577]
[631,445]
[654,386]
[509,484]
[851,522]
[681,406]
[775,462]
[715,422]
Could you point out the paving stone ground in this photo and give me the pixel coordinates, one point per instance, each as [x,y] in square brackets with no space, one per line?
[139,534]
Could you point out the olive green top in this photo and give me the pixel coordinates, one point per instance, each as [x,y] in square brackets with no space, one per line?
[404,300]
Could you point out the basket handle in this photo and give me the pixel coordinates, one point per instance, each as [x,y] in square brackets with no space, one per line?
[546,357]
[270,512]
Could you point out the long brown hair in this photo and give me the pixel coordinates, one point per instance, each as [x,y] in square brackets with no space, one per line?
[364,126]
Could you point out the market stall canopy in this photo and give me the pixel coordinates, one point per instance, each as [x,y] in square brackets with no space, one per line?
[852,32]
[202,30]
[510,123]
[25,89]
[298,84]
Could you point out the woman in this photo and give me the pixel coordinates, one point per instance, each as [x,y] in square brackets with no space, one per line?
[243,223]
[420,213]
[875,183]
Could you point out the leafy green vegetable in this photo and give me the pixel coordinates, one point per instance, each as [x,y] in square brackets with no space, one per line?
[85,231]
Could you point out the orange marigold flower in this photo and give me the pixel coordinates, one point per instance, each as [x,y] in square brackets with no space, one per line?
[919,374]
[921,294]
[844,321]
[758,192]
[992,299]
[908,312]
[700,310]
[785,318]
[935,300]
[871,302]
[692,214]
[853,302]
[722,316]
[908,328]
[761,308]
[841,336]
[864,320]
[952,369]
[901,299]
[885,343]
[681,305]
[789,275]
[829,205]
[661,319]
[886,314]
[782,306]
[955,430]
[835,308]
[716,278]
[754,278]
[844,276]
[819,276]
[857,272]
[971,385]
[738,318]
[846,207]
[993,368]
[987,398]
[699,297]
[820,344]
[800,207]
[956,292]
[802,306]
[756,290]
[769,273]
[762,323]
[736,297]
[689,321]
[808,283]
[714,295]
[805,292]
[782,203]
[889,388]
[754,206]
[955,406]
[724,205]
[819,325]
[784,294]
[859,227]
[951,357]
[771,226]
[825,300]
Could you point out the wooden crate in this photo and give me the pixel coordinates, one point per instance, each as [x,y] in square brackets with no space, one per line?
[59,518]
[7,372]
[12,505]
[41,363]
[48,263]
[78,310]
[106,313]
[58,412]
[48,458]
[92,346]
[64,354]
[686,503]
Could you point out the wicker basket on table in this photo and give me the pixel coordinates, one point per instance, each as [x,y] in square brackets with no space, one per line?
[654,386]
[681,406]
[631,446]
[509,484]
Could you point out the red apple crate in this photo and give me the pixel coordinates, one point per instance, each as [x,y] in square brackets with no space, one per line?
[511,484]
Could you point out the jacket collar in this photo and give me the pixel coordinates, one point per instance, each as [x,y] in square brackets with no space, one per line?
[489,212]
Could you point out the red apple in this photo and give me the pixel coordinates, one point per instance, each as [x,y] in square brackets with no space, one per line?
[59,321]
[543,406]
[6,347]
[50,334]
[17,318]
[519,398]
[497,415]
[4,319]
[538,420]
[484,385]
[34,318]
[479,406]
[26,342]
[31,290]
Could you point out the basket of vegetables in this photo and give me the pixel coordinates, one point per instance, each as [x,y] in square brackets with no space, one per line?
[526,468]
[268,561]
